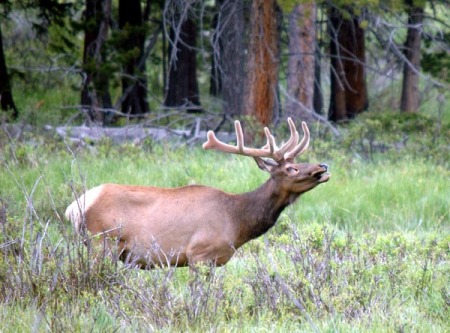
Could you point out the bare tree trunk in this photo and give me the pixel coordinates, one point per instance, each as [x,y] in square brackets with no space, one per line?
[6,97]
[95,91]
[318,91]
[134,82]
[227,79]
[182,86]
[301,62]
[261,99]
[348,80]
[215,81]
[410,98]
[318,94]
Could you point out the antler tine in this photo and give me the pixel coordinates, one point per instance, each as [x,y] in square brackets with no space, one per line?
[271,145]
[302,146]
[239,136]
[213,143]
[290,144]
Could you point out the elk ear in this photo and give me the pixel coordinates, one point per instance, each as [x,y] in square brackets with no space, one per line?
[265,165]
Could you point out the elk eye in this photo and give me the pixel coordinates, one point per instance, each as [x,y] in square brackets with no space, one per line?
[291,169]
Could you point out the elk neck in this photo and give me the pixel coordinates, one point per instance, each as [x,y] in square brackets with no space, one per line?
[257,211]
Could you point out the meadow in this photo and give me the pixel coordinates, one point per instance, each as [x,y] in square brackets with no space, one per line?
[367,251]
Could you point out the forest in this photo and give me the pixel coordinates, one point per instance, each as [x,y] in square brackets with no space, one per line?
[124,91]
[323,61]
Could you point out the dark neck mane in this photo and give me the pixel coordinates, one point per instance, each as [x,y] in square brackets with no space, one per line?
[259,210]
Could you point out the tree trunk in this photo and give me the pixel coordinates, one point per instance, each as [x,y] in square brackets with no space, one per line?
[6,97]
[410,98]
[301,62]
[348,80]
[261,100]
[318,94]
[215,81]
[95,91]
[227,79]
[134,81]
[182,89]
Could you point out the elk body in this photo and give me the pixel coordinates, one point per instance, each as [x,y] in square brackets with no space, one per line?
[180,226]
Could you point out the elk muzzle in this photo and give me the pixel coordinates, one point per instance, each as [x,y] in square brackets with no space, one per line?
[321,173]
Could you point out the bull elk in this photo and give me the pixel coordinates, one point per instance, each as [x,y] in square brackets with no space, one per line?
[180,226]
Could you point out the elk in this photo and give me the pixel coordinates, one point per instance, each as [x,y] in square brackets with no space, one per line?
[181,226]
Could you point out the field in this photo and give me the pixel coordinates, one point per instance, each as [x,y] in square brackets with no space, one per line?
[367,251]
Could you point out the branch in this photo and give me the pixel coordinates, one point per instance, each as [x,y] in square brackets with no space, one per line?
[312,113]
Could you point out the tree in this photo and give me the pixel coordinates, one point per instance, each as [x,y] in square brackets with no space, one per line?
[261,100]
[301,61]
[182,87]
[348,96]
[95,96]
[318,94]
[410,97]
[228,56]
[131,48]
[6,97]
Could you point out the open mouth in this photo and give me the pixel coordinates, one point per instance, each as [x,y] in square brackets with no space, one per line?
[323,177]
[320,174]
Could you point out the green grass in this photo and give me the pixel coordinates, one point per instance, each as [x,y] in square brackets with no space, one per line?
[367,251]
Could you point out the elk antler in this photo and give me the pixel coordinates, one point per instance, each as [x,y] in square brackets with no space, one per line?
[287,152]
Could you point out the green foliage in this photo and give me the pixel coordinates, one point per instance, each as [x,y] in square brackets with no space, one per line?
[436,60]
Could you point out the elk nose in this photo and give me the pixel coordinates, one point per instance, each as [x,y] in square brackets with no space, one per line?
[323,165]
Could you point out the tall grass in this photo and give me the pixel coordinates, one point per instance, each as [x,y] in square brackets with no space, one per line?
[367,251]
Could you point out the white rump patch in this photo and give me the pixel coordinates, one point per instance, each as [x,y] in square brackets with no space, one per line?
[77,210]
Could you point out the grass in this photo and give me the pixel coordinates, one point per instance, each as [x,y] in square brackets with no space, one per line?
[368,251]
